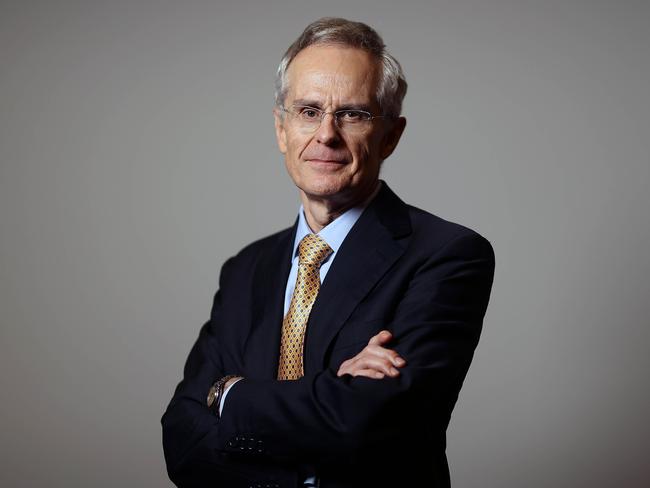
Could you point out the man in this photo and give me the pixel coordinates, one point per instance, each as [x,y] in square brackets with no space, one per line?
[336,348]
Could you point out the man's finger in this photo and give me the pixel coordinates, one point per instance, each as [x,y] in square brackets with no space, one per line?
[381,338]
[370,373]
[381,360]
[387,354]
[378,364]
[368,362]
[346,367]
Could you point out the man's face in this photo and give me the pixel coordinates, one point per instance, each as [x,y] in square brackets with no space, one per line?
[329,163]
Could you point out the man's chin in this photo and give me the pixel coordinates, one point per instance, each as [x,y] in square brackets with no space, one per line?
[321,192]
[323,189]
[335,195]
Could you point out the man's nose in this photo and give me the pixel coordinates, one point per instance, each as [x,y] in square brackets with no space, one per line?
[328,131]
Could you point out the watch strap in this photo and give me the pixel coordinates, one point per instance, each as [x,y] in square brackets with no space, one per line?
[216,393]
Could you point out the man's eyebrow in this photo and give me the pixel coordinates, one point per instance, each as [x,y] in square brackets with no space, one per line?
[304,102]
[354,106]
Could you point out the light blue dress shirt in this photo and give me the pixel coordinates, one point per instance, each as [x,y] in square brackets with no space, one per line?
[334,234]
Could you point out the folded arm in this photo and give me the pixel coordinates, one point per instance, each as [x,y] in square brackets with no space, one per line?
[435,329]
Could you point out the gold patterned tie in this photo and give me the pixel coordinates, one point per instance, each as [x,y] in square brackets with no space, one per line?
[312,251]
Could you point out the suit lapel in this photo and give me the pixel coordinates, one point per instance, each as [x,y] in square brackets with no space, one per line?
[269,284]
[369,250]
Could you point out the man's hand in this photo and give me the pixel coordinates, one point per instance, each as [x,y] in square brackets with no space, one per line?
[374,361]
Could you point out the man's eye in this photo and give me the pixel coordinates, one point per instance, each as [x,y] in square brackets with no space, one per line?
[351,115]
[309,113]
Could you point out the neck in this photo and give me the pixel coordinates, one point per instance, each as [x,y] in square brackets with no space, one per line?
[321,211]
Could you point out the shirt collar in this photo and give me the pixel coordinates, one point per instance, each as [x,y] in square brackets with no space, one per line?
[336,231]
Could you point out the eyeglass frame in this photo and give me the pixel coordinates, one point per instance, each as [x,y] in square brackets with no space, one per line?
[334,113]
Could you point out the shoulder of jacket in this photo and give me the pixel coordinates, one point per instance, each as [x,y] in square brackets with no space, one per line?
[439,232]
[255,248]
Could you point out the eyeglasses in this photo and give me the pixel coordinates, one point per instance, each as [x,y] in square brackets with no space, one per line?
[309,119]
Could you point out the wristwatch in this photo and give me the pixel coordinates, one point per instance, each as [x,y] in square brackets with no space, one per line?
[216,392]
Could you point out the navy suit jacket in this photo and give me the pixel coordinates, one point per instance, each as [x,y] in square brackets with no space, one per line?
[400,268]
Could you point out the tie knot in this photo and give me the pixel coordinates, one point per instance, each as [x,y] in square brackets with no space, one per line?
[313,250]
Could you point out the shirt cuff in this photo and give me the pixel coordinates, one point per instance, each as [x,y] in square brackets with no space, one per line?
[225,394]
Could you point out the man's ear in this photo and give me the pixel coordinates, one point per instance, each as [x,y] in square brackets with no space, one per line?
[392,137]
[280,131]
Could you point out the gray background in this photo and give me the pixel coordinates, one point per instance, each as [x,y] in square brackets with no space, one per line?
[137,154]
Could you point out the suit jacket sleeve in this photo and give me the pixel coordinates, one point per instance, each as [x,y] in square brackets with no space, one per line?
[321,416]
[191,432]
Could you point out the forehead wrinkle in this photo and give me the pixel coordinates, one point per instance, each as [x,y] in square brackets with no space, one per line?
[329,88]
[332,76]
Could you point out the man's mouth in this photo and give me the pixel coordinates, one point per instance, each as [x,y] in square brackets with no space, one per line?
[332,161]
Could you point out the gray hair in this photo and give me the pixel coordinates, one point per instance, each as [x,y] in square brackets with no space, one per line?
[333,31]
